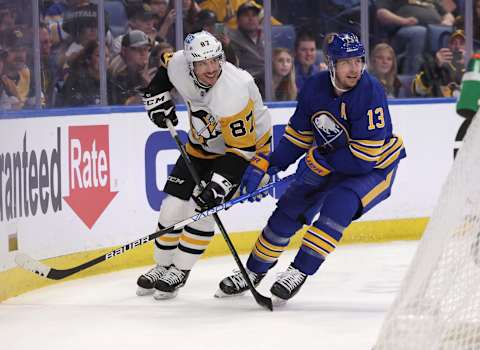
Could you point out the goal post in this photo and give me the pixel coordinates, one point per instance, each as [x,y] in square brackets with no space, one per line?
[438,305]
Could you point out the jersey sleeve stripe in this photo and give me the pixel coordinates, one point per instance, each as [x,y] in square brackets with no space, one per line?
[198,152]
[369,143]
[373,152]
[297,142]
[305,136]
[363,156]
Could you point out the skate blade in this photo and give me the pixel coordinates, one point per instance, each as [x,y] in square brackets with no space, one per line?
[221,294]
[278,302]
[159,295]
[144,291]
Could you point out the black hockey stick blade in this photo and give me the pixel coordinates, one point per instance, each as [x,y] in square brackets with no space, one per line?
[28,263]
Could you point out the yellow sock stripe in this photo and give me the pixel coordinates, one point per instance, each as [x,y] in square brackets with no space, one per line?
[262,256]
[325,236]
[314,165]
[266,244]
[169,238]
[315,248]
[265,251]
[194,241]
[318,241]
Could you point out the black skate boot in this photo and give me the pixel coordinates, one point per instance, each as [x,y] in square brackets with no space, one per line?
[146,281]
[167,286]
[288,284]
[236,285]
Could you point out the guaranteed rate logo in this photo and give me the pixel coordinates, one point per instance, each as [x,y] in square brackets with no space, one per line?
[89,172]
[30,180]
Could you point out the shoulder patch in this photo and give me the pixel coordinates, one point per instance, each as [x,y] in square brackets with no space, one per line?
[165,58]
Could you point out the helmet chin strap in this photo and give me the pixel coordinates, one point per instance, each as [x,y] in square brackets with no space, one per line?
[333,77]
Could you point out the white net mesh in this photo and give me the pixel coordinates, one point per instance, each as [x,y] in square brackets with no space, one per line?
[438,306]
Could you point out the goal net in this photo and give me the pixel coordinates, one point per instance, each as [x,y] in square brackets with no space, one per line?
[438,306]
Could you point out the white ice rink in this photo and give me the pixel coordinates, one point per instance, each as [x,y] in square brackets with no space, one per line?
[340,308]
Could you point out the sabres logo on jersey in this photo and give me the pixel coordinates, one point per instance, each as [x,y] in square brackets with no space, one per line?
[329,131]
[204,126]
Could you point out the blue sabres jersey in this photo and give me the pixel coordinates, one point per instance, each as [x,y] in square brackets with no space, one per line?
[353,131]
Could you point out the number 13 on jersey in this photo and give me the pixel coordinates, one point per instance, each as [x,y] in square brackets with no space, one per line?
[376,119]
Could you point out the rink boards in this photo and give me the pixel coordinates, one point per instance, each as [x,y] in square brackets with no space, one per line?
[72,186]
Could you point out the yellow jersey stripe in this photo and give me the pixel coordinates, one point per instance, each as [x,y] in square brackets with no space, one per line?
[369,143]
[195,152]
[363,156]
[367,150]
[392,158]
[305,137]
[382,186]
[297,142]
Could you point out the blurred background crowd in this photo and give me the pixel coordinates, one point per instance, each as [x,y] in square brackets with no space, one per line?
[53,55]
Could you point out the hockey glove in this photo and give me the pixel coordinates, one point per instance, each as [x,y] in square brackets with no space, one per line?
[313,170]
[160,108]
[215,192]
[257,173]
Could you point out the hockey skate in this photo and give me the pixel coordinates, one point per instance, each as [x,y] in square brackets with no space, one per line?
[167,286]
[287,285]
[147,281]
[236,285]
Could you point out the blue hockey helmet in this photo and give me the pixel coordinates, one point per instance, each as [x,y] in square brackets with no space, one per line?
[344,45]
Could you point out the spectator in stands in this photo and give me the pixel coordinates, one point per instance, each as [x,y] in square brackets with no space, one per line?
[82,87]
[49,68]
[206,20]
[7,22]
[383,65]
[305,57]
[248,42]
[129,69]
[16,76]
[440,76]
[140,17]
[9,99]
[190,10]
[159,9]
[406,22]
[227,10]
[284,86]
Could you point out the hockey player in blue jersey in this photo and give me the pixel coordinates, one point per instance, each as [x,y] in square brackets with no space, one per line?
[343,124]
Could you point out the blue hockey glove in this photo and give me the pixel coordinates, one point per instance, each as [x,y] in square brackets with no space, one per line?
[312,170]
[160,108]
[214,192]
[257,174]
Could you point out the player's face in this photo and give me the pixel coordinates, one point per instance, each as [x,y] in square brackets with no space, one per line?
[207,71]
[348,72]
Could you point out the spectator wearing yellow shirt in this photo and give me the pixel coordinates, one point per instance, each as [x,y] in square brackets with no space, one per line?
[226,10]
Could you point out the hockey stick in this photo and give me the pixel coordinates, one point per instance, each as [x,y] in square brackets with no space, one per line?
[28,263]
[260,299]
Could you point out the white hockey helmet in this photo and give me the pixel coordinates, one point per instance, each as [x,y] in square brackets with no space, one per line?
[202,46]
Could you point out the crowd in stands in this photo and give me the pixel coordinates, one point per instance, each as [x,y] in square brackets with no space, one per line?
[417,48]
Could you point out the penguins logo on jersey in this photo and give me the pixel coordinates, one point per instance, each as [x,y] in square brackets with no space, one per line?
[328,128]
[204,126]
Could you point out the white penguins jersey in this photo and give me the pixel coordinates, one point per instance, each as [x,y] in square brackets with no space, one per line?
[229,117]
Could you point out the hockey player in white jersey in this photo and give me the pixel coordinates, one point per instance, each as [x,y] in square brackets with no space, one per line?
[229,124]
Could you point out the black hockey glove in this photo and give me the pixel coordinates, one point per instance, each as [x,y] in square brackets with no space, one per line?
[214,193]
[160,108]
